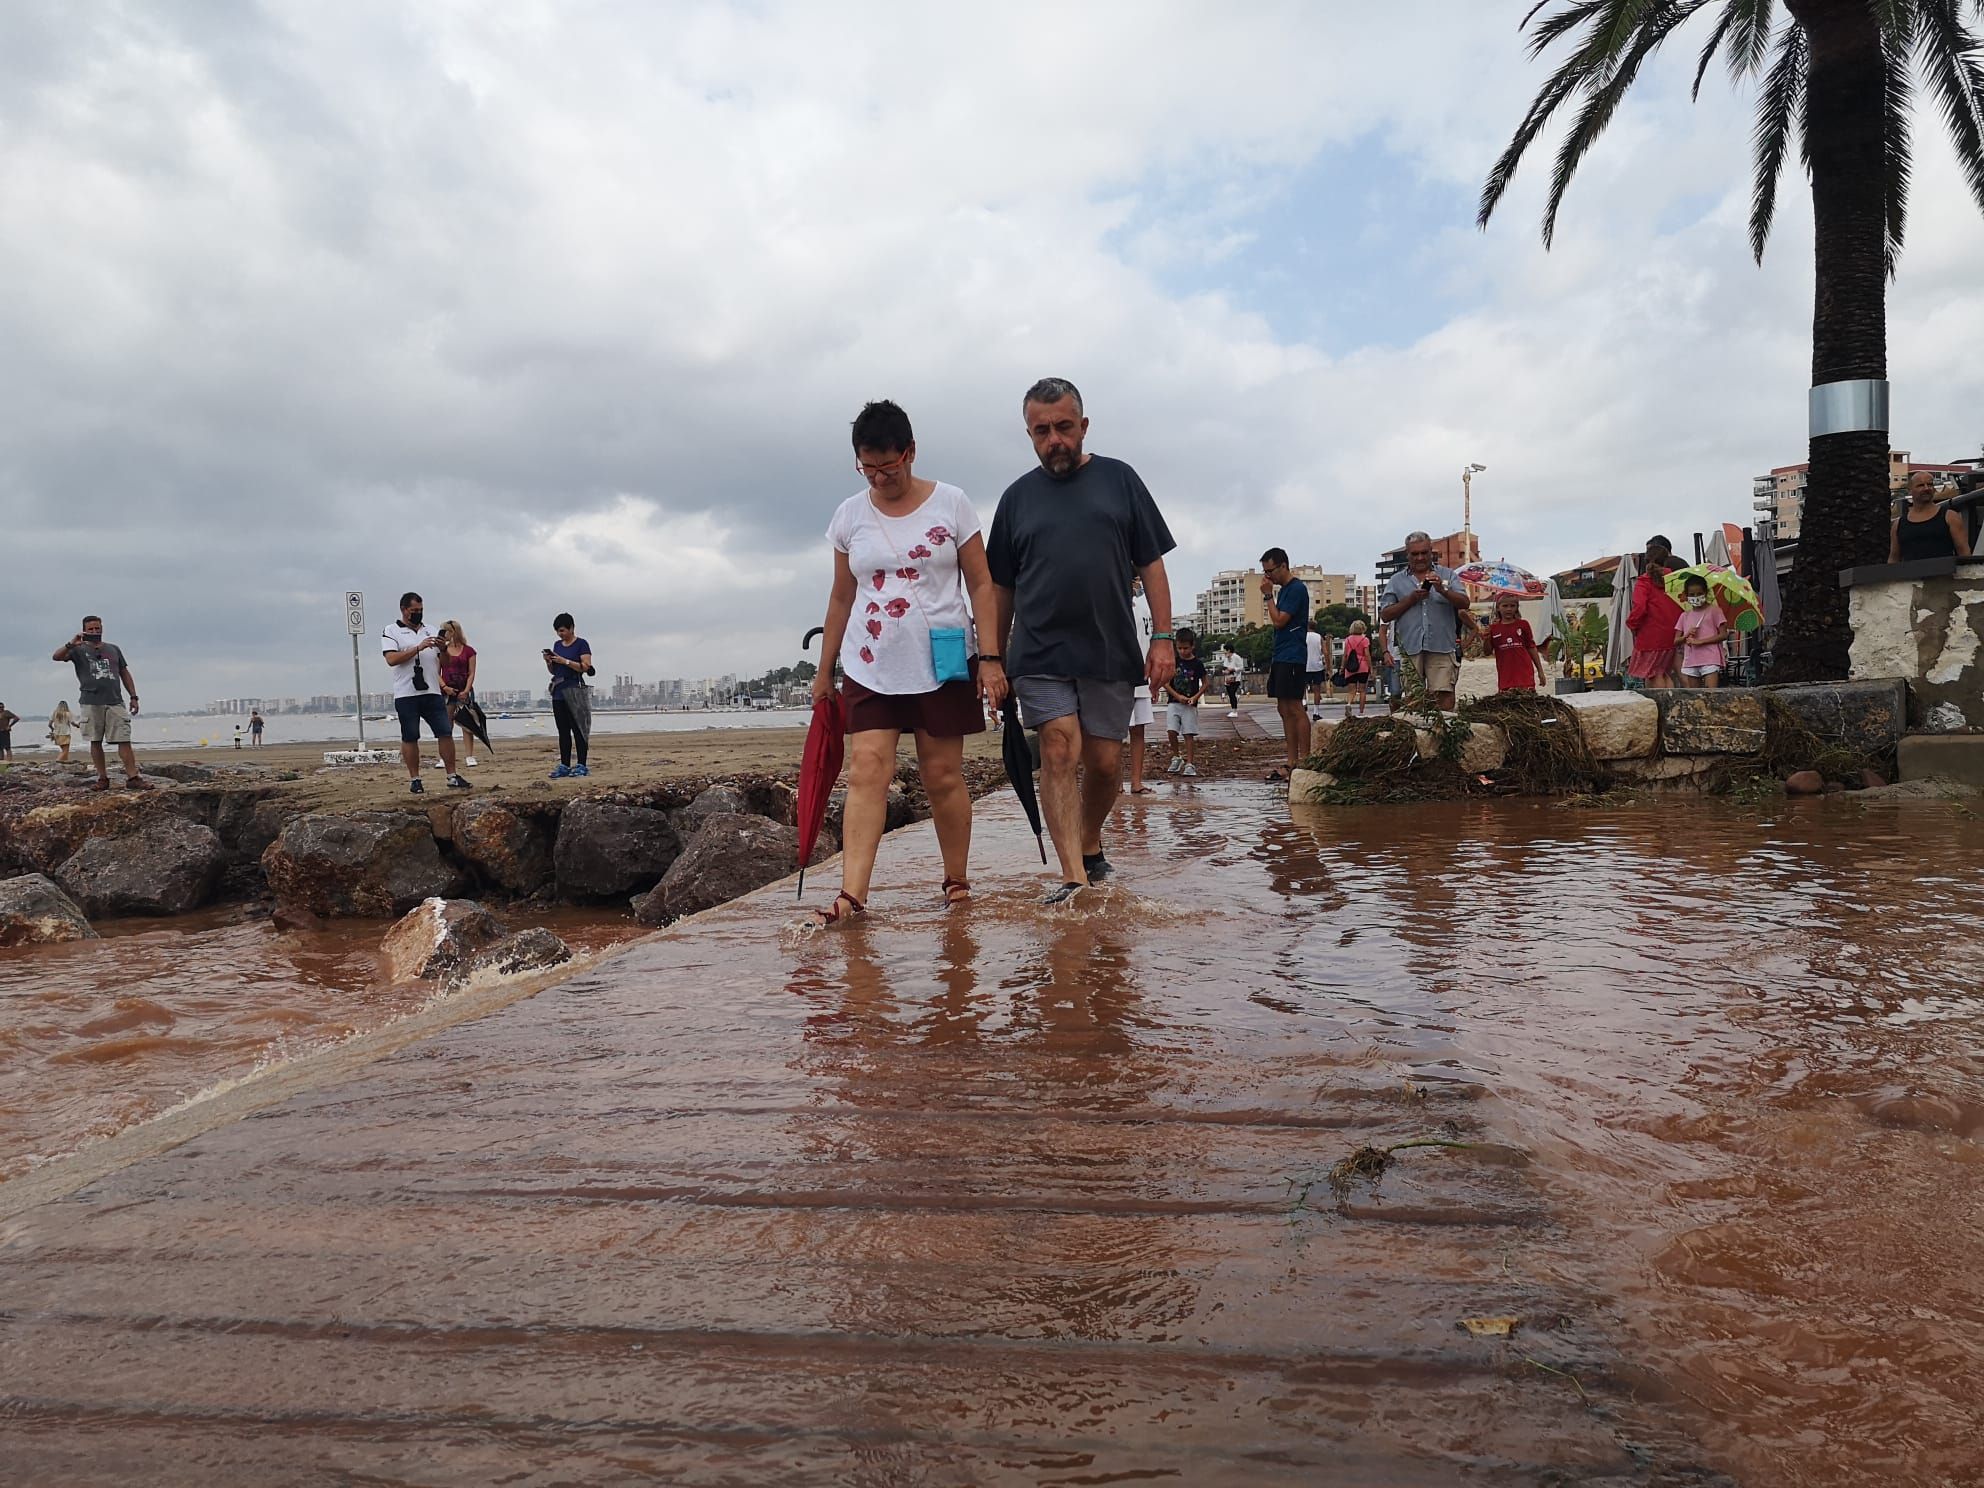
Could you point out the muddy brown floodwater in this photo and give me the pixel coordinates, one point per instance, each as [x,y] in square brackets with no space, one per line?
[1017,1195]
[97,1035]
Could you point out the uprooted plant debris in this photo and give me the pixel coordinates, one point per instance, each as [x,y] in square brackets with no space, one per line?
[1790,745]
[1378,759]
[1366,1165]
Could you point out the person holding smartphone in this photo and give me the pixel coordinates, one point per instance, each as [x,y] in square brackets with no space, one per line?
[103,676]
[569,660]
[412,651]
[1423,605]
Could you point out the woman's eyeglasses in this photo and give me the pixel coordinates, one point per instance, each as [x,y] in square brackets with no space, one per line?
[875,471]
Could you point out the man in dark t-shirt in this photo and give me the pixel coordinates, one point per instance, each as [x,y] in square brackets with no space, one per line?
[1064,540]
[1288,607]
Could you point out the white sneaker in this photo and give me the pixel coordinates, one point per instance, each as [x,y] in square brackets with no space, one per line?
[1234,714]
[469,763]
[1177,764]
[1191,770]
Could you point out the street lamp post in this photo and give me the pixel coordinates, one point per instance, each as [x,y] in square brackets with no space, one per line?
[1467,475]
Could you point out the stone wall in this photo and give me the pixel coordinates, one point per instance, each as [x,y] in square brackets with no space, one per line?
[1928,631]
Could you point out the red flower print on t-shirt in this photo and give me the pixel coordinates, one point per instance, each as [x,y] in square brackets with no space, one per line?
[905,573]
[875,629]
[919,551]
[873,608]
[939,535]
[898,608]
[867,656]
[877,578]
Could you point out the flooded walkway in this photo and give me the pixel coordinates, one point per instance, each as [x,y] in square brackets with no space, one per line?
[1010,1195]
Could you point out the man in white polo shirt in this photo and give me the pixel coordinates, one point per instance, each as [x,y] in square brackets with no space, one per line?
[412,651]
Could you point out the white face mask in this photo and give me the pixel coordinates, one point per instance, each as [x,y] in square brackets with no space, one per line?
[1697,601]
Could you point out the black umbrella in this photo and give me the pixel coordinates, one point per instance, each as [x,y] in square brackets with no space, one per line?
[474,722]
[1018,755]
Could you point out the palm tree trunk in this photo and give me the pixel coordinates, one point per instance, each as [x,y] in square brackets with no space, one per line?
[1847,505]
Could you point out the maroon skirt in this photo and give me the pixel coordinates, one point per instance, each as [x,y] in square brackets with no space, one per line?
[950,712]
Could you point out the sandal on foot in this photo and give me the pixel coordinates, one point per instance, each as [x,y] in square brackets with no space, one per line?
[956,891]
[834,914]
[1274,775]
[1063,894]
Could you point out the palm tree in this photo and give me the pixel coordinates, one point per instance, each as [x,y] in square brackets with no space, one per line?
[1839,76]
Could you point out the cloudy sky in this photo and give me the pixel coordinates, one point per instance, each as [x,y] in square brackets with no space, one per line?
[568,305]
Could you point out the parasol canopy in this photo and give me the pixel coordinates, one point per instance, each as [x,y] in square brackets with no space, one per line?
[819,769]
[1619,635]
[1018,757]
[1486,580]
[1729,589]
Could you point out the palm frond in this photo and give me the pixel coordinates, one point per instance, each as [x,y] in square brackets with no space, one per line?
[1782,100]
[1654,26]
[1589,68]
[1947,51]
[1896,43]
[1722,25]
[1752,22]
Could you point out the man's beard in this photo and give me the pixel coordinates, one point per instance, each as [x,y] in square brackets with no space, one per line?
[1062,462]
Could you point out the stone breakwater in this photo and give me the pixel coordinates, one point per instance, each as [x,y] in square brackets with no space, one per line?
[69,856]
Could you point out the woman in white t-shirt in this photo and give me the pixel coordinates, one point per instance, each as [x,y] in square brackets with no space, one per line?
[905,550]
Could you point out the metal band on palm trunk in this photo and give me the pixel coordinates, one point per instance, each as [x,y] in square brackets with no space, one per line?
[1850,407]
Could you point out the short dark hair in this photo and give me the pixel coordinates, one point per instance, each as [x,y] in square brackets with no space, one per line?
[560,620]
[410,598]
[1052,390]
[1694,581]
[882,426]
[1657,541]
[88,618]
[1187,636]
[1274,557]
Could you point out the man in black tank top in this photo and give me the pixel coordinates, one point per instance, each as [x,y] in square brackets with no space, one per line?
[1926,527]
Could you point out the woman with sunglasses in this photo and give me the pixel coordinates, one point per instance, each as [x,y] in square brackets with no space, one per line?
[905,550]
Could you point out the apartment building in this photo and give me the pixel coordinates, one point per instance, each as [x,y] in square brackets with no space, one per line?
[1233,599]
[1780,496]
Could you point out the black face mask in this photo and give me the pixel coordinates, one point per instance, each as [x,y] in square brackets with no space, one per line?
[414,617]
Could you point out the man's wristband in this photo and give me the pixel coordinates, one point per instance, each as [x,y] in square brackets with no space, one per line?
[1162,635]
[992,656]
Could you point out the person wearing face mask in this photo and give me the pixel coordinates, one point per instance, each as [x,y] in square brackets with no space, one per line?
[1700,632]
[413,653]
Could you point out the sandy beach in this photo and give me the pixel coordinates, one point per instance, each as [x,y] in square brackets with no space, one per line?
[524,765]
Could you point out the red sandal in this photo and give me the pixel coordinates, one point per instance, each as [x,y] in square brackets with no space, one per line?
[834,914]
[956,891]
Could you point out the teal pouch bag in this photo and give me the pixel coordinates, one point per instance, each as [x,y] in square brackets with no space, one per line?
[947,654]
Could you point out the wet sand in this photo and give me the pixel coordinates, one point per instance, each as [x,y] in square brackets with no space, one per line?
[1012,1195]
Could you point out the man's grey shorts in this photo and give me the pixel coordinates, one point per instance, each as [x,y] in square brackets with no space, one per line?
[1103,708]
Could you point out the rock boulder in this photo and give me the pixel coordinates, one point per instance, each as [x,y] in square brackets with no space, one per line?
[1711,721]
[1617,725]
[1486,747]
[166,867]
[1869,717]
[516,955]
[35,911]
[730,855]
[1805,783]
[509,847]
[357,863]
[41,839]
[721,799]
[437,938]
[606,851]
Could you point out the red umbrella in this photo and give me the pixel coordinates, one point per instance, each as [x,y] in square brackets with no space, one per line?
[819,769]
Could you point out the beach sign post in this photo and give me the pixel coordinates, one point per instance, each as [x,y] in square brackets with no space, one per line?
[354,621]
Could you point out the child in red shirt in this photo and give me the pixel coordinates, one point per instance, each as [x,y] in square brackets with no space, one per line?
[1518,664]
